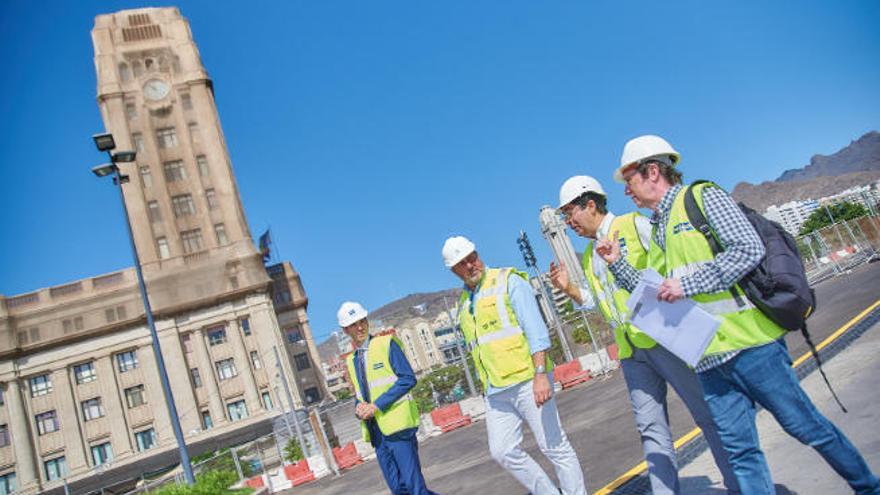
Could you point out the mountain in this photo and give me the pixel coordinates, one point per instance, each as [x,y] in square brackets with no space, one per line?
[424,305]
[856,164]
[428,306]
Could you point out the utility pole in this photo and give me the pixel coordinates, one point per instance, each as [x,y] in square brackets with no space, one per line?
[529,256]
[461,351]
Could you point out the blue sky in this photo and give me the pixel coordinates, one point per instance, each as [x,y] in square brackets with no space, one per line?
[365,133]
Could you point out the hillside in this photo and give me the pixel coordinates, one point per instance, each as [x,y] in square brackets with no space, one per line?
[854,165]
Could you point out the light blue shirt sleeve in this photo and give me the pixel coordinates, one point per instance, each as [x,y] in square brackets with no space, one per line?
[522,298]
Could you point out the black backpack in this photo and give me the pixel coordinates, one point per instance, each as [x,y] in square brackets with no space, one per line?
[778,285]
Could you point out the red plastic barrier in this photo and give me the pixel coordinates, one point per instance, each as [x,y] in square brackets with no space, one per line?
[299,472]
[613,352]
[347,456]
[448,418]
[255,482]
[570,374]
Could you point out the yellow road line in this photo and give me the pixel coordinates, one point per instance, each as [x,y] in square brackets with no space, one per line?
[643,466]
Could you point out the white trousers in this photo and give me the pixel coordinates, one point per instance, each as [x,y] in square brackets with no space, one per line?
[505,412]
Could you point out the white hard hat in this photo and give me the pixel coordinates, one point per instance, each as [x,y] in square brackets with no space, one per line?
[456,249]
[577,185]
[350,312]
[644,147]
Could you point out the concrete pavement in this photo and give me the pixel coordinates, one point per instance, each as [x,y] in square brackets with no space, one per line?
[598,420]
[797,468]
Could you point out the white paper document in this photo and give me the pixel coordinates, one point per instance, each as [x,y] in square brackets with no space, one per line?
[682,327]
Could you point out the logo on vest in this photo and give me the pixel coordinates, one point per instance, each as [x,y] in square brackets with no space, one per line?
[682,227]
[378,366]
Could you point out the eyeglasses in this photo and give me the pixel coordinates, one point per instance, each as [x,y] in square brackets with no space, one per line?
[568,211]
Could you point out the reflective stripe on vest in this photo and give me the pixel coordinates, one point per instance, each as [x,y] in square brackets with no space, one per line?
[400,415]
[742,324]
[499,346]
[610,298]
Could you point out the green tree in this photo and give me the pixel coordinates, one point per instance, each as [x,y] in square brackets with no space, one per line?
[841,212]
[442,380]
[293,452]
[343,394]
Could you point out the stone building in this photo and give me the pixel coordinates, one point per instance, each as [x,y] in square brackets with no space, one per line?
[79,389]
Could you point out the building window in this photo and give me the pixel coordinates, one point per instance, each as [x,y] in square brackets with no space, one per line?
[146,439]
[164,250]
[282,296]
[226,369]
[196,377]
[35,333]
[85,372]
[102,454]
[245,326]
[255,360]
[124,72]
[92,409]
[194,132]
[126,361]
[216,336]
[138,140]
[174,170]
[40,385]
[70,326]
[191,240]
[134,396]
[293,335]
[186,340]
[47,422]
[153,211]
[183,205]
[220,231]
[312,395]
[2,397]
[302,361]
[207,422]
[4,435]
[146,176]
[267,400]
[166,138]
[186,101]
[202,162]
[55,468]
[130,110]
[113,314]
[7,483]
[237,410]
[211,199]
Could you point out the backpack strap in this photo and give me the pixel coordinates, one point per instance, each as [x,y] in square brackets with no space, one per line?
[697,219]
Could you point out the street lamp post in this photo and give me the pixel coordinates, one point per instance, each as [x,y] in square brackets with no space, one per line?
[105,142]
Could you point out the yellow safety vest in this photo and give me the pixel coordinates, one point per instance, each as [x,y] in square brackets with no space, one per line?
[403,413]
[742,324]
[610,298]
[498,344]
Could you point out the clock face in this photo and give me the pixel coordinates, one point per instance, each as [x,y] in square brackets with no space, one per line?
[155,89]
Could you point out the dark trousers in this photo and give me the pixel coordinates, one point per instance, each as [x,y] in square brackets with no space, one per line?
[398,457]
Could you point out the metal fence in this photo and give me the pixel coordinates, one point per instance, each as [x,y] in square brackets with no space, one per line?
[840,247]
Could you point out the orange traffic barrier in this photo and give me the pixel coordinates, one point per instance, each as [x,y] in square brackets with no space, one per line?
[448,418]
[347,456]
[570,374]
[299,472]
[255,482]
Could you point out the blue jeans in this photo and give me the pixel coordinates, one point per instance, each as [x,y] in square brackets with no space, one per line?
[647,373]
[764,375]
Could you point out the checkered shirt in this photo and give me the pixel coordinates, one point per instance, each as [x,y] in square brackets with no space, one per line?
[743,250]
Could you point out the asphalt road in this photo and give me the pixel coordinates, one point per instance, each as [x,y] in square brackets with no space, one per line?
[596,416]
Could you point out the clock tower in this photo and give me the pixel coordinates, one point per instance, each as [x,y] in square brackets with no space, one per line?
[156,98]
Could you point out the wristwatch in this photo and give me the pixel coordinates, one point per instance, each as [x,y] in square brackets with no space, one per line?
[540,369]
